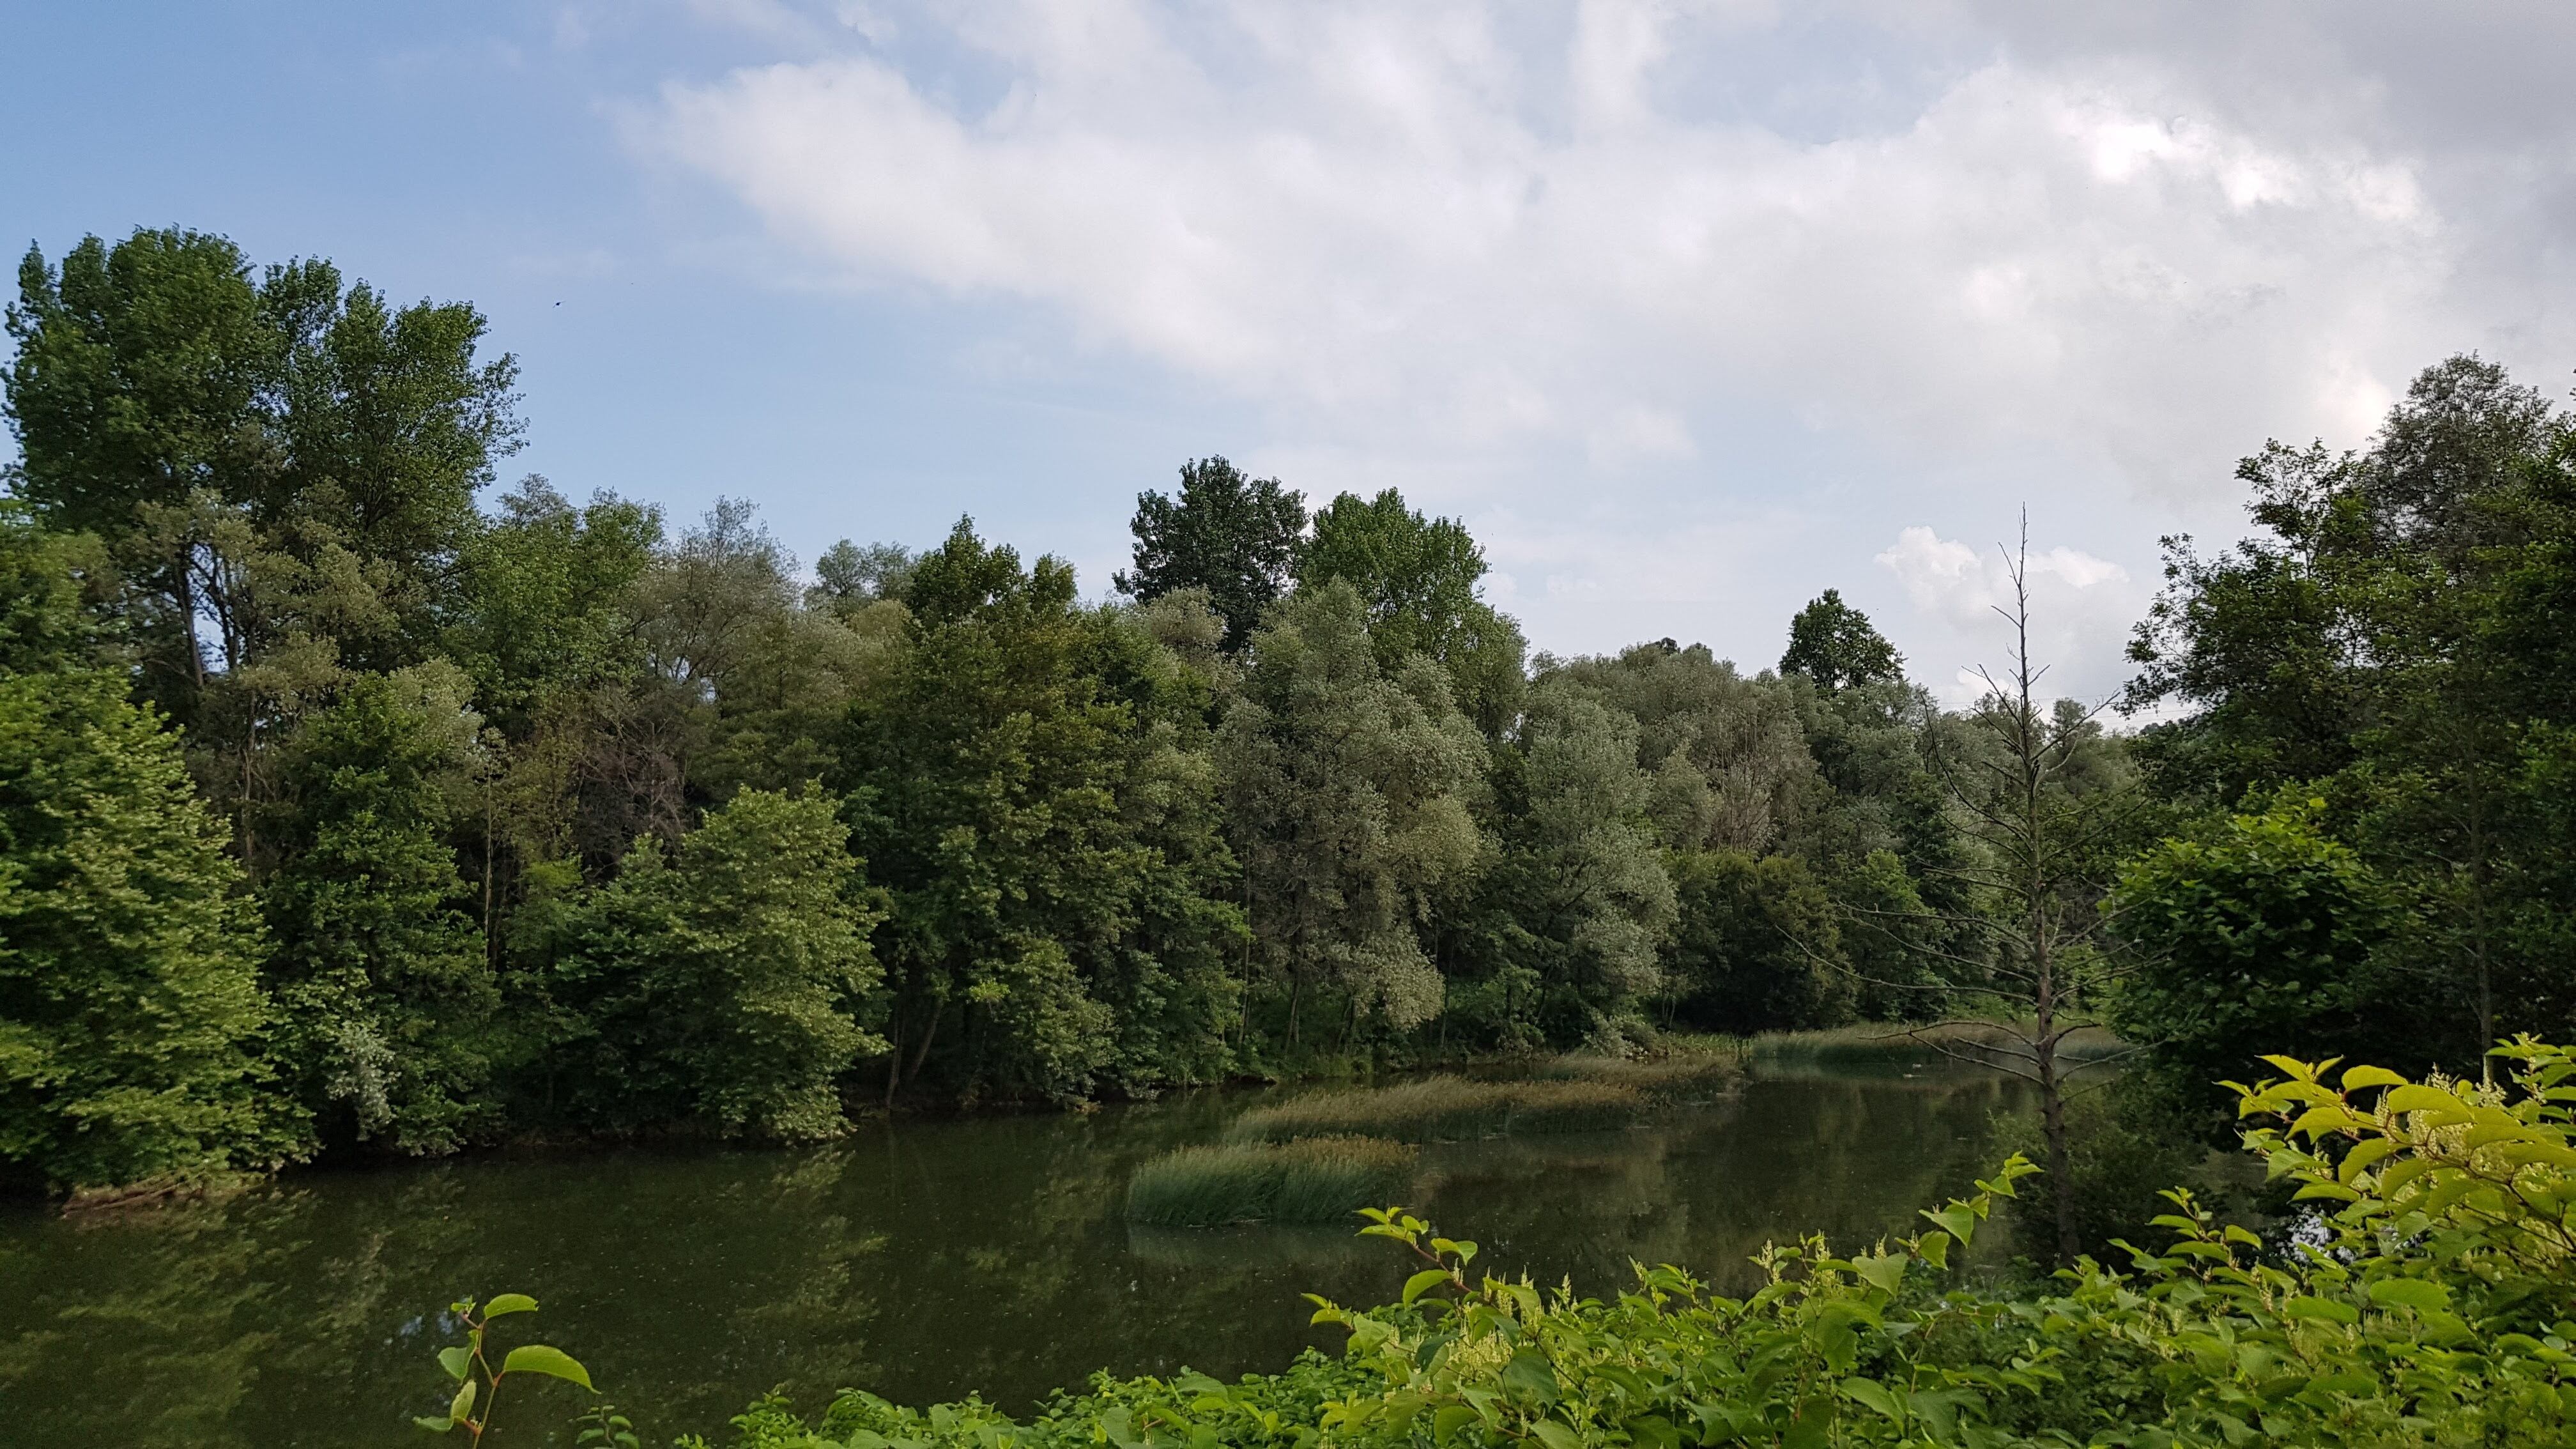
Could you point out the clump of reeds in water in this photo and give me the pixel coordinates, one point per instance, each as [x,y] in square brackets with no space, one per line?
[1446,1108]
[1674,1074]
[1312,1180]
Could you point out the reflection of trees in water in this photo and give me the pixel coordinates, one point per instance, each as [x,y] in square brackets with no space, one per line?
[921,1261]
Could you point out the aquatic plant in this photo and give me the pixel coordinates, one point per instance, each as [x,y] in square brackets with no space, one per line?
[1447,1108]
[1311,1180]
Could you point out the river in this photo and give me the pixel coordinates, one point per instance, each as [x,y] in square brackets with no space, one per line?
[922,1260]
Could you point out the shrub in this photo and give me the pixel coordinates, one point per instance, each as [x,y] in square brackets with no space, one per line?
[1312,1180]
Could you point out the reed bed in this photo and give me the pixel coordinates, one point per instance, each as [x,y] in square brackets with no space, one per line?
[1312,1180]
[1446,1108]
[1680,1073]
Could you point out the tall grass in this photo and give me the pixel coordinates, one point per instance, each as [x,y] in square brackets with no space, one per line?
[1446,1108]
[1683,1072]
[1313,1180]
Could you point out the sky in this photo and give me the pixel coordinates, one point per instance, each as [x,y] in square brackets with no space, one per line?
[1689,311]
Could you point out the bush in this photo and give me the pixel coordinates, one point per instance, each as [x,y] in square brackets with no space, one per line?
[1312,1180]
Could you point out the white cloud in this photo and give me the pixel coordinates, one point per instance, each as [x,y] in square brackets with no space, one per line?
[2079,610]
[1393,217]
[1539,259]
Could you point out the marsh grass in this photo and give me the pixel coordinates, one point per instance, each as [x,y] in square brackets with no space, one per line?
[1687,1073]
[1446,1108]
[1312,1180]
[1871,1038]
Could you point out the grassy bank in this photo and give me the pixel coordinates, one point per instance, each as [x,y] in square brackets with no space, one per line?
[1320,1179]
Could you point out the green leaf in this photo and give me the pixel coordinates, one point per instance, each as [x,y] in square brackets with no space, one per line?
[1555,1435]
[2360,1077]
[1885,1273]
[1935,1248]
[456,1361]
[537,1358]
[2418,1099]
[2413,1293]
[461,1408]
[435,1426]
[1427,1279]
[2325,1309]
[1871,1394]
[509,1303]
[1449,1420]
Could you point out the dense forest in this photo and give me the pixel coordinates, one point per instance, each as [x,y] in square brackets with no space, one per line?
[355,803]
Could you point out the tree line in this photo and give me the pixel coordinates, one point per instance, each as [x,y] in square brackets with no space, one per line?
[357,804]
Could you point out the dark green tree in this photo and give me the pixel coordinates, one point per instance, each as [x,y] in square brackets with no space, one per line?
[380,969]
[1029,784]
[726,982]
[1755,945]
[1835,645]
[1417,578]
[1234,536]
[143,379]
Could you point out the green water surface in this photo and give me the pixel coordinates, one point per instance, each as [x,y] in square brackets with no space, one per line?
[922,1260]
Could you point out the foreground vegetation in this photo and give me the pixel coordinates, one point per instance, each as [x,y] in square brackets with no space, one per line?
[2423,1295]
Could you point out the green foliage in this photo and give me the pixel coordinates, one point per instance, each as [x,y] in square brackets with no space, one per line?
[1444,1108]
[1031,785]
[2395,645]
[1835,645]
[1756,947]
[131,1015]
[1233,536]
[1417,578]
[1347,794]
[478,1384]
[2258,927]
[1307,1180]
[724,982]
[387,994]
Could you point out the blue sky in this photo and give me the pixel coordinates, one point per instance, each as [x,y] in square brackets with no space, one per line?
[1690,310]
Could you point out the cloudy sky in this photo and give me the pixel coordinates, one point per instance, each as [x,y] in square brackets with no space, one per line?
[1689,310]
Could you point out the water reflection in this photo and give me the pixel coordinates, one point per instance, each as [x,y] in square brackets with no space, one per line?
[922,1261]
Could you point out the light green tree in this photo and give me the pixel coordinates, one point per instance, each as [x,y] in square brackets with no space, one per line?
[131,1016]
[1347,795]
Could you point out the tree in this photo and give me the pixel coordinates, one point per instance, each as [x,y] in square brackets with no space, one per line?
[1234,536]
[2395,645]
[1347,795]
[727,981]
[1834,644]
[1755,945]
[1417,578]
[1030,785]
[2047,805]
[380,969]
[131,1018]
[2261,930]
[140,381]
[1581,882]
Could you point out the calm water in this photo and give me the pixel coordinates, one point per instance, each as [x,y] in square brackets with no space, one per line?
[922,1260]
